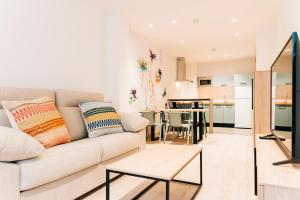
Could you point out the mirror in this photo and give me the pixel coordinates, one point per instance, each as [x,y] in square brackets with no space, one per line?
[282,71]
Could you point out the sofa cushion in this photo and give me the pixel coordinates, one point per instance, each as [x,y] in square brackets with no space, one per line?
[100,118]
[74,122]
[58,162]
[116,144]
[133,122]
[4,121]
[38,118]
[16,145]
[18,94]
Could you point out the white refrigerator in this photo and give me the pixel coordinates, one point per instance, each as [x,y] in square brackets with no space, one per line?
[243,107]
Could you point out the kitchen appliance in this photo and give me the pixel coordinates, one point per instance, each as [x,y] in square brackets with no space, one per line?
[243,106]
[181,70]
[204,81]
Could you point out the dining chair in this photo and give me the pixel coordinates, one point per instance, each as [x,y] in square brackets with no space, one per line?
[175,122]
[150,115]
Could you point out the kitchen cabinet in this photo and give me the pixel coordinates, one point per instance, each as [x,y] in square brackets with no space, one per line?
[222,81]
[281,116]
[218,114]
[283,78]
[243,80]
[224,114]
[229,114]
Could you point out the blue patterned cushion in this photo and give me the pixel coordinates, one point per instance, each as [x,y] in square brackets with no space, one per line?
[100,118]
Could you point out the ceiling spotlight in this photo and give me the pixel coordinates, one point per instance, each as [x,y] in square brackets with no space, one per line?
[236,34]
[234,20]
[173,21]
[181,41]
[226,55]
[150,25]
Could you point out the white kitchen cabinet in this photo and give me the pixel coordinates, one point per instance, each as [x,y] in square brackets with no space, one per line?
[282,116]
[229,114]
[218,114]
[242,80]
[221,81]
[283,78]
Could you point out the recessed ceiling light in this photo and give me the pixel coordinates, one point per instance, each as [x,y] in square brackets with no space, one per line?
[234,20]
[174,21]
[181,41]
[237,34]
[209,57]
[226,55]
[150,25]
[196,21]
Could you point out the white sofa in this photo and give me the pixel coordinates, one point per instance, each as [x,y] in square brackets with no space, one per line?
[70,170]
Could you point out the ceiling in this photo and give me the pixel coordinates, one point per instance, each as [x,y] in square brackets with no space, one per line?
[214,30]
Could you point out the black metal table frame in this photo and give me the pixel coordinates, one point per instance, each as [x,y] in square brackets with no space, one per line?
[156,180]
[197,135]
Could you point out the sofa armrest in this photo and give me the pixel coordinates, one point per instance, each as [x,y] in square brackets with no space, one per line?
[9,181]
[133,122]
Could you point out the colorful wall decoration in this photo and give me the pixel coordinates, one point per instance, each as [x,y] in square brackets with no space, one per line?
[151,88]
[132,96]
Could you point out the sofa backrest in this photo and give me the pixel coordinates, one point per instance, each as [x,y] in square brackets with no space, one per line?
[17,94]
[66,101]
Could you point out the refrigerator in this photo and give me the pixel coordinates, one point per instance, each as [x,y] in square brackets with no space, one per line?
[243,106]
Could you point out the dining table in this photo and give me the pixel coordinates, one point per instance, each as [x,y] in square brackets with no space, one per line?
[197,133]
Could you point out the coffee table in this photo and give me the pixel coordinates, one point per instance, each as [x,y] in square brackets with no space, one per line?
[161,162]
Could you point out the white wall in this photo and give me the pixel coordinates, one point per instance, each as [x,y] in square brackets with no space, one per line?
[226,67]
[72,44]
[52,44]
[271,40]
[131,76]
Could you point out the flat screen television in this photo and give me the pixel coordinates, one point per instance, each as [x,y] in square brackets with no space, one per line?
[285,109]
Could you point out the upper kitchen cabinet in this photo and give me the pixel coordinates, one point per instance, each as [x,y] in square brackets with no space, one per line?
[222,81]
[242,80]
[283,78]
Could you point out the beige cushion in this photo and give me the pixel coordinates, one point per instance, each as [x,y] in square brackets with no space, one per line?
[17,94]
[116,144]
[38,118]
[4,121]
[16,145]
[74,122]
[58,162]
[71,98]
[133,122]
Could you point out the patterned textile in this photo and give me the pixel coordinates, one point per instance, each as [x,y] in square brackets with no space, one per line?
[100,118]
[38,118]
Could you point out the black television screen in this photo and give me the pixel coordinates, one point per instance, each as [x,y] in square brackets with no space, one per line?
[284,116]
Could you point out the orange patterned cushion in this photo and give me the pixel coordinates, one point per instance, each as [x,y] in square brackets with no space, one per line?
[38,118]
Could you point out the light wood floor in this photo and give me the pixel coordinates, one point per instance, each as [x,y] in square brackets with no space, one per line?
[227,174]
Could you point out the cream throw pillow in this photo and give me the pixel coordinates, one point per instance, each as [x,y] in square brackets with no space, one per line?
[38,118]
[16,145]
